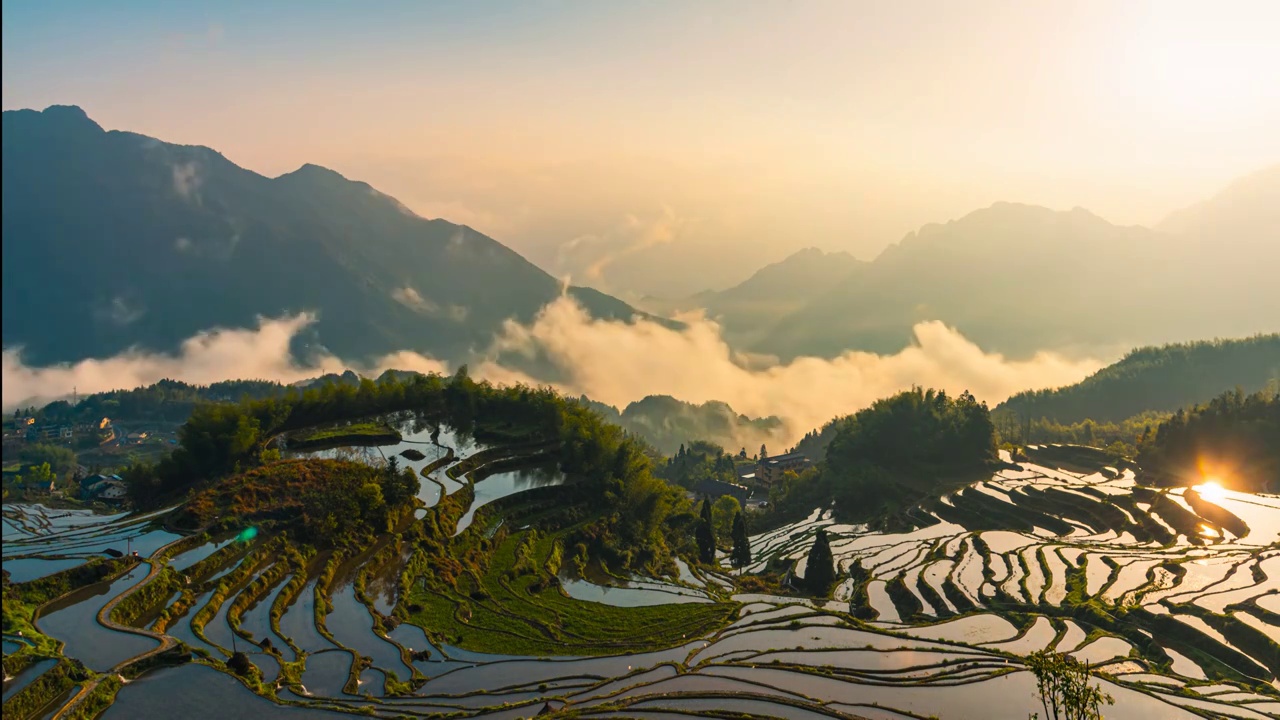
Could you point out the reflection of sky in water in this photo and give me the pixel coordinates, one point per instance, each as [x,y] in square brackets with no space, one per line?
[501,485]
[1222,566]
[96,646]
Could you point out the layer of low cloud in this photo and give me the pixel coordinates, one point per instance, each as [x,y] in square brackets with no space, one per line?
[261,353]
[610,361]
[615,363]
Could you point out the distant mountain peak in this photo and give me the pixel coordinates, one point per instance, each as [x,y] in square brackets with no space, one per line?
[1248,207]
[68,111]
[60,117]
[311,171]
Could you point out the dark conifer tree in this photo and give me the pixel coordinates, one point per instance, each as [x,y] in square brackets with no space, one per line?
[706,535]
[741,555]
[820,571]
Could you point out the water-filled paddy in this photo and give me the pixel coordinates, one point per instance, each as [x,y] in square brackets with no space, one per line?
[25,677]
[197,692]
[352,626]
[772,659]
[76,624]
[501,485]
[24,569]
[327,673]
[628,596]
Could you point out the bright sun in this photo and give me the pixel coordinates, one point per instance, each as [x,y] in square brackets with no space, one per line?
[1201,68]
[1211,489]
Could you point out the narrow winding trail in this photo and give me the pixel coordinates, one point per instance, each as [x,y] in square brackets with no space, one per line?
[104,618]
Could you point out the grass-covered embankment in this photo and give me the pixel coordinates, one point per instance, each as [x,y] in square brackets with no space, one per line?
[358,433]
[515,606]
[53,683]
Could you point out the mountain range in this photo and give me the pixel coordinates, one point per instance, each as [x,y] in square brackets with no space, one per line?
[1020,278]
[114,240]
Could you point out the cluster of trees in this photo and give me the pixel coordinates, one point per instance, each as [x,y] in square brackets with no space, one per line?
[722,520]
[42,464]
[609,471]
[814,443]
[219,439]
[1234,437]
[1156,379]
[700,460]
[1120,439]
[322,501]
[62,460]
[914,428]
[881,457]
[166,400]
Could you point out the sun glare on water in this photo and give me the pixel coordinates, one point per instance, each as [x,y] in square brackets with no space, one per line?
[1211,489]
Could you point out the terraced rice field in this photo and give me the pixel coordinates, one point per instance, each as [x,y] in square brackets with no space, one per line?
[1178,612]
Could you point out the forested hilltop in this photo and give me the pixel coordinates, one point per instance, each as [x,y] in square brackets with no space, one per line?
[668,424]
[1234,439]
[1157,379]
[618,508]
[885,458]
[165,401]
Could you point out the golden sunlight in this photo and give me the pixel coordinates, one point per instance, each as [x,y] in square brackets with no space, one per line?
[1211,489]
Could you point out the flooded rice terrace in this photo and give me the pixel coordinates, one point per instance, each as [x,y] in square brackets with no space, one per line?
[1172,595]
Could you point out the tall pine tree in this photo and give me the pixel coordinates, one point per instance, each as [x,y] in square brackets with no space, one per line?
[706,535]
[741,555]
[820,570]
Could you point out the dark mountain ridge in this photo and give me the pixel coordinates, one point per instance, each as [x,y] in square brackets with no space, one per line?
[114,240]
[1157,379]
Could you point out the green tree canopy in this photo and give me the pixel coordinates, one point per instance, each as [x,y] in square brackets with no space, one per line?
[725,509]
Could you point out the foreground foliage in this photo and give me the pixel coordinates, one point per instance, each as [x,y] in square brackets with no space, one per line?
[1063,685]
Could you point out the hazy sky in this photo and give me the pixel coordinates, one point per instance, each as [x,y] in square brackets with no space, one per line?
[697,139]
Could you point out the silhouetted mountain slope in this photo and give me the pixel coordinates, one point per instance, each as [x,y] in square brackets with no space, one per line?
[113,240]
[1161,379]
[1247,209]
[757,303]
[1019,278]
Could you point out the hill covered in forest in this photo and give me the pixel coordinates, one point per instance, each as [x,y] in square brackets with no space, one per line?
[1233,440]
[1157,379]
[667,423]
[150,243]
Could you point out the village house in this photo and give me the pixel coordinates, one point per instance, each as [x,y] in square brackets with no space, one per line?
[771,469]
[102,487]
[50,432]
